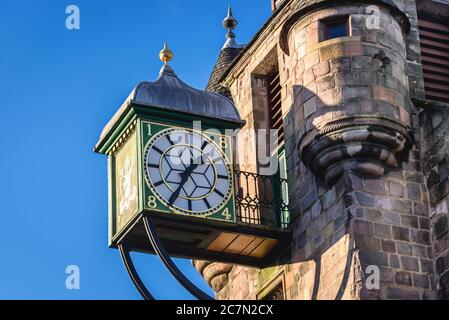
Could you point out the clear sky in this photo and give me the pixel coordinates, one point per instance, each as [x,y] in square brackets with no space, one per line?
[58,88]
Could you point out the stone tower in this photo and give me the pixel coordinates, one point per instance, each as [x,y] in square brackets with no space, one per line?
[363,89]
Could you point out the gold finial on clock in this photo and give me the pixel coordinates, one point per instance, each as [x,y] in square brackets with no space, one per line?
[166,55]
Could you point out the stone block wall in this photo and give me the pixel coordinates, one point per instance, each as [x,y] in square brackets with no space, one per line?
[440,240]
[434,119]
[376,191]
[384,202]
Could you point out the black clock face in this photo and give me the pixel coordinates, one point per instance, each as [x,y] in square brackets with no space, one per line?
[188,172]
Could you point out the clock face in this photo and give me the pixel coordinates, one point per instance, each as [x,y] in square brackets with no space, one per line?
[188,172]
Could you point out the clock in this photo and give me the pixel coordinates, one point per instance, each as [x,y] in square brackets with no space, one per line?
[188,172]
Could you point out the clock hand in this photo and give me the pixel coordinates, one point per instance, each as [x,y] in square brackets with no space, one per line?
[175,194]
[185,176]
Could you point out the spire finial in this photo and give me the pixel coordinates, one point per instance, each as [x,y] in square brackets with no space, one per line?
[166,55]
[229,10]
[230,23]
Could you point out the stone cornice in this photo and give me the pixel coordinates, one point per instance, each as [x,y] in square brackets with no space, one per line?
[431,104]
[215,273]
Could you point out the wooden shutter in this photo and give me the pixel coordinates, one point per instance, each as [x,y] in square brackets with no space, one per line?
[435,59]
[274,102]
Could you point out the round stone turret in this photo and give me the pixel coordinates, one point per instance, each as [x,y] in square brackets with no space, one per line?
[351,97]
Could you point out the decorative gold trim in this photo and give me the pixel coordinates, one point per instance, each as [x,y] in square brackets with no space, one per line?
[123,138]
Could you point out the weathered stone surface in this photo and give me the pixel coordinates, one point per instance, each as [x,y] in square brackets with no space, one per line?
[413,192]
[420,209]
[388,246]
[394,261]
[382,230]
[404,248]
[420,251]
[441,227]
[365,200]
[409,221]
[357,192]
[427,266]
[421,281]
[410,264]
[392,218]
[400,233]
[442,264]
[376,258]
[424,223]
[404,278]
[396,189]
[402,294]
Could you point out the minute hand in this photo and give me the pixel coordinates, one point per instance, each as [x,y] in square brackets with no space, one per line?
[185,176]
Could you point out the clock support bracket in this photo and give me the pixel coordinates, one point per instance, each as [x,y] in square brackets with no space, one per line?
[156,243]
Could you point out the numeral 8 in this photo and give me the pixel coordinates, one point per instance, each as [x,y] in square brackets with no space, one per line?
[223,142]
[152,202]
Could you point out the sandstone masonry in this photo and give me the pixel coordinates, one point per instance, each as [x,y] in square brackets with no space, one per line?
[367,155]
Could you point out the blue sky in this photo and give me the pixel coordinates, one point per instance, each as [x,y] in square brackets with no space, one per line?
[58,88]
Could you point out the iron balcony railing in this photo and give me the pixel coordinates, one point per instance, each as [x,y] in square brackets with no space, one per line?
[262,200]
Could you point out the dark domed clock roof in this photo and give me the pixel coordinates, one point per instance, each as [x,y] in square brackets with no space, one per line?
[169,93]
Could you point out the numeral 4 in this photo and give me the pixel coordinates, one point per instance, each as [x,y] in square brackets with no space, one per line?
[226,214]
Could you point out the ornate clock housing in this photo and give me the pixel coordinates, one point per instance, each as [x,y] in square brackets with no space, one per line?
[162,168]
[188,172]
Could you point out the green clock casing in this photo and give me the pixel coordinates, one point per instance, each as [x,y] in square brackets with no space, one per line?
[187,172]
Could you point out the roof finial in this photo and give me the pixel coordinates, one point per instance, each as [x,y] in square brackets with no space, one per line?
[229,11]
[230,23]
[166,55]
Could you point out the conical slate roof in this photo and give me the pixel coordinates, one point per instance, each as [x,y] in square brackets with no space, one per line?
[227,55]
[225,59]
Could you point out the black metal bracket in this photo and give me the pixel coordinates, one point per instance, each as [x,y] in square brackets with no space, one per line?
[159,248]
[135,278]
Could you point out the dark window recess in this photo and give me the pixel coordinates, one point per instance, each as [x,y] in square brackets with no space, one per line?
[274,103]
[276,294]
[335,28]
[435,59]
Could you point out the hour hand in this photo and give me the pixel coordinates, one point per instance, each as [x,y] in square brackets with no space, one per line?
[184,177]
[192,167]
[175,194]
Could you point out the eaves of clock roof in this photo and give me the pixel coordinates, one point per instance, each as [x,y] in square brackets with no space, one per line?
[170,94]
